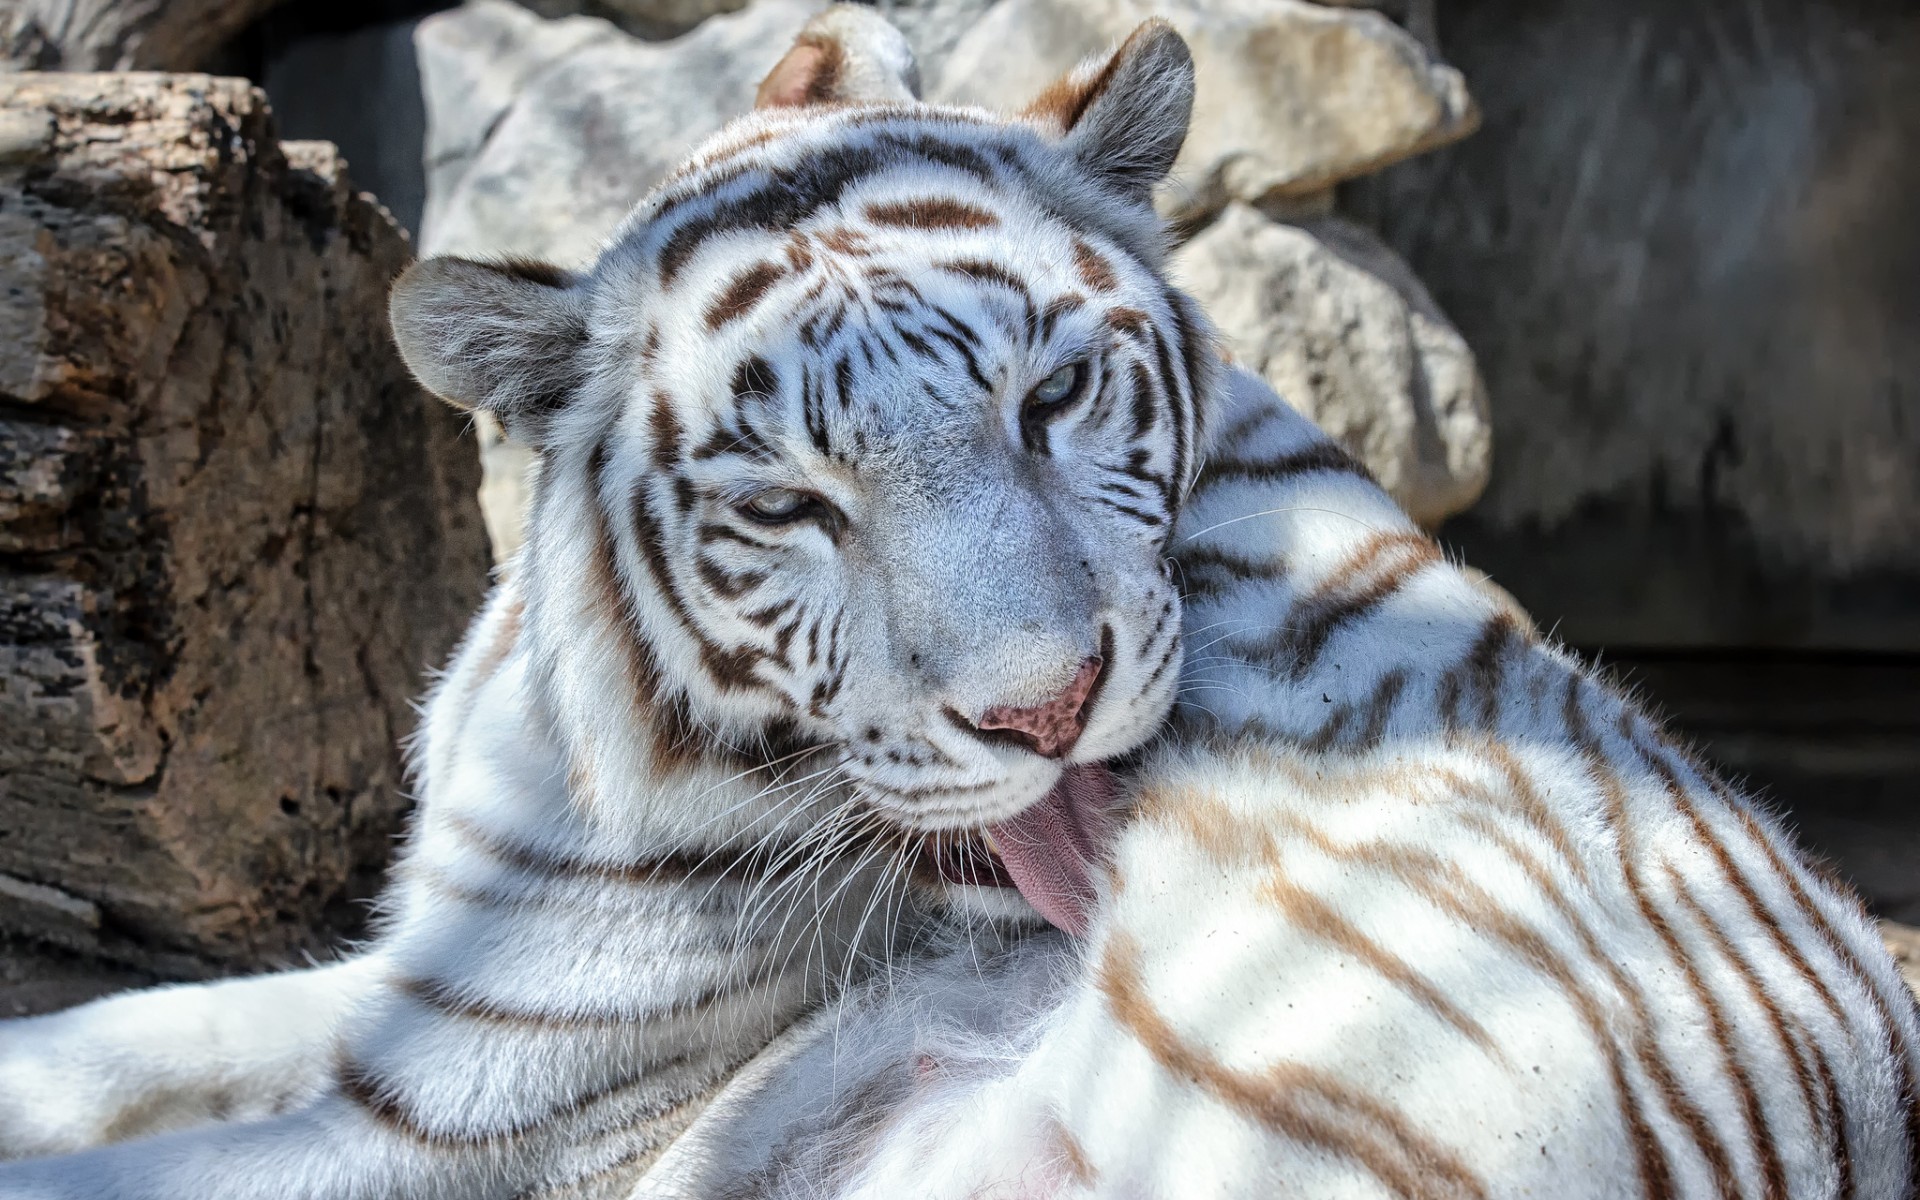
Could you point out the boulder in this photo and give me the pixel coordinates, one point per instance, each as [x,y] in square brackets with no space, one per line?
[232,531]
[474,60]
[108,35]
[655,19]
[1293,97]
[1339,326]
[595,119]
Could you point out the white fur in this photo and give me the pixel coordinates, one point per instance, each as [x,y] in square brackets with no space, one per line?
[1298,1048]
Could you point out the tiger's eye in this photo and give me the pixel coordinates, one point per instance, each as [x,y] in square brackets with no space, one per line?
[776,506]
[1059,386]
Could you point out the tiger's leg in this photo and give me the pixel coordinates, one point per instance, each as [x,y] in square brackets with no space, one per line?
[332,1149]
[171,1057]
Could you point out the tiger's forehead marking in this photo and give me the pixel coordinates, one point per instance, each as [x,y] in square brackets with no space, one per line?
[778,169]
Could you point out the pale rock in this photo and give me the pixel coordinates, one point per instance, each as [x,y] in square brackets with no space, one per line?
[591,129]
[474,60]
[1292,99]
[1343,331]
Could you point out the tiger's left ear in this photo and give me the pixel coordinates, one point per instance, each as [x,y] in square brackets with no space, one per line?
[849,54]
[1124,117]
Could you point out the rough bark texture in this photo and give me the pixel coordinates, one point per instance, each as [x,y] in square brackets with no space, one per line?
[1684,248]
[101,35]
[232,531]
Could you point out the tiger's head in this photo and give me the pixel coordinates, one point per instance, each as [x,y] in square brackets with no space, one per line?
[866,433]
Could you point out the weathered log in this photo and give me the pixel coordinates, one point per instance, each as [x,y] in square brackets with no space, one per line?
[232,530]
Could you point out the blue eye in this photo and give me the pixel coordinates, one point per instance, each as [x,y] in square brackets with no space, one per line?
[1059,387]
[777,506]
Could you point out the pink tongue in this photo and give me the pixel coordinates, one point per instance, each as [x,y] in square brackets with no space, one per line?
[1051,847]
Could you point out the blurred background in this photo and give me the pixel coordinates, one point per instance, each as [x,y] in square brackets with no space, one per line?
[1622,299]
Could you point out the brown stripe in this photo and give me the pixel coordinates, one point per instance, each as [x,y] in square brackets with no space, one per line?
[1653,1173]
[755,865]
[1066,99]
[740,296]
[1884,1009]
[675,742]
[1313,916]
[360,1087]
[446,1002]
[1321,456]
[1523,800]
[931,212]
[1304,1104]
[1078,1164]
[1757,909]
[1614,795]
[984,271]
[1095,271]
[1743,969]
[1296,645]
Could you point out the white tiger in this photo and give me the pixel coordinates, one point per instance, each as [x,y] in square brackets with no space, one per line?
[860,449]
[1407,904]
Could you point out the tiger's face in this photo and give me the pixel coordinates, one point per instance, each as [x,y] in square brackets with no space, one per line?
[883,417]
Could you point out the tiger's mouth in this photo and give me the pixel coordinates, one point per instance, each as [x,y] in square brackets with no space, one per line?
[1048,851]
[968,858]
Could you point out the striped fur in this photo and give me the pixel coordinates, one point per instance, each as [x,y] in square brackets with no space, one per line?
[695,767]
[1411,904]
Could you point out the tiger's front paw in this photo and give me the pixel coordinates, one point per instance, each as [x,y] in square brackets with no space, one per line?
[50,1101]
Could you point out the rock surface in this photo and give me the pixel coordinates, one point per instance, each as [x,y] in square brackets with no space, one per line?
[1685,251]
[1293,97]
[595,119]
[474,61]
[645,18]
[1340,327]
[103,35]
[232,531]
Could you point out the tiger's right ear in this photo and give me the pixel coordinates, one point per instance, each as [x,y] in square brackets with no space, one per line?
[506,338]
[848,54]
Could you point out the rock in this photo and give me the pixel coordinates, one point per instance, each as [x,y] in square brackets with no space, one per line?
[934,27]
[232,530]
[590,128]
[473,61]
[1415,16]
[1343,331]
[119,35]
[1685,252]
[1293,97]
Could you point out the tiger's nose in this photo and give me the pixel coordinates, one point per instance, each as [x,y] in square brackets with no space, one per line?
[1050,729]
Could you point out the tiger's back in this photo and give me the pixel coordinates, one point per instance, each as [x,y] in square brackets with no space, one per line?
[1411,904]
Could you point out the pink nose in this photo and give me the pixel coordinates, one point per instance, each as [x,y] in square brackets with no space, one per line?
[1052,728]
